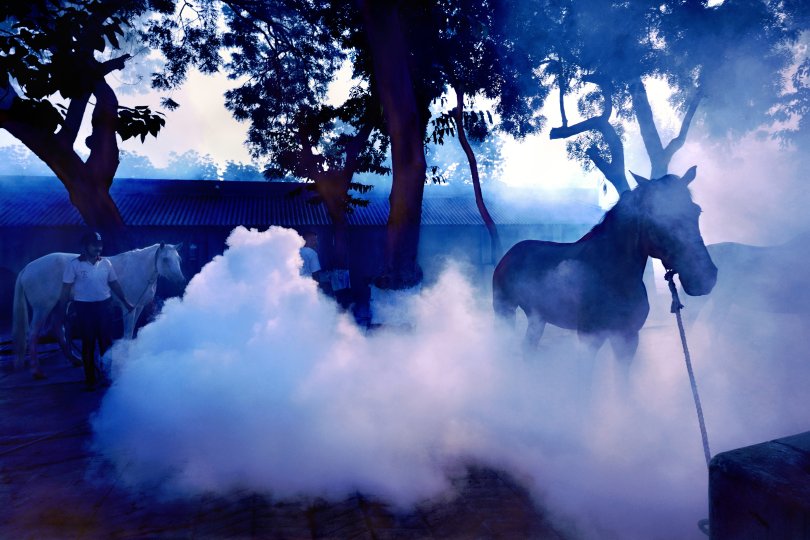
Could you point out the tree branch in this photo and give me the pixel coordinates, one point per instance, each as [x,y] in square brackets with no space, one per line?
[308,164]
[595,122]
[114,64]
[237,8]
[102,142]
[355,145]
[60,158]
[678,142]
[601,163]
[563,89]
[646,124]
[73,119]
[659,155]
[458,117]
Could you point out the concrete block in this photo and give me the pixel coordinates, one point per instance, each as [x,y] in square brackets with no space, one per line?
[762,492]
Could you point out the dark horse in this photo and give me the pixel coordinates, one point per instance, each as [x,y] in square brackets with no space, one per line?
[594,285]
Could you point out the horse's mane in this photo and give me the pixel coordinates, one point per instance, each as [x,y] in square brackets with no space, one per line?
[140,250]
[134,252]
[628,200]
[611,216]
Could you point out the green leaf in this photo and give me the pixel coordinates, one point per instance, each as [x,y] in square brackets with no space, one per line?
[169,103]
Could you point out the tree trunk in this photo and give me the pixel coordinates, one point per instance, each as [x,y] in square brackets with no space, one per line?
[494,238]
[332,184]
[614,169]
[389,54]
[333,187]
[87,183]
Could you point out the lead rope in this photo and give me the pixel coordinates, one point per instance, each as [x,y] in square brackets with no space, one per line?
[676,307]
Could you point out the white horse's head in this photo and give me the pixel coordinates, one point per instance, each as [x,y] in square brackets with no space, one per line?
[167,262]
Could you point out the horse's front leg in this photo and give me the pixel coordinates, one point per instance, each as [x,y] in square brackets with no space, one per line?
[591,343]
[65,340]
[129,321]
[624,345]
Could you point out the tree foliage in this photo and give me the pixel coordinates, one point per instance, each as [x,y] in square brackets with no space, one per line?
[50,48]
[54,51]
[725,63]
[284,55]
[241,172]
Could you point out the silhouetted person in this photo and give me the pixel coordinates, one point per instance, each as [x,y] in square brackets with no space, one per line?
[309,253]
[90,279]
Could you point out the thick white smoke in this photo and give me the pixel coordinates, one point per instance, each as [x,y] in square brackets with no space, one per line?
[255,380]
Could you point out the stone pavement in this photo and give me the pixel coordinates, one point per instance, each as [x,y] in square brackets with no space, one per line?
[52,485]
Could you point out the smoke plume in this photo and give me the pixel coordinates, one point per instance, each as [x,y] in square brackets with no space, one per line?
[255,380]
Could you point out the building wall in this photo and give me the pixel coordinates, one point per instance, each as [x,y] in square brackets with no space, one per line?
[467,245]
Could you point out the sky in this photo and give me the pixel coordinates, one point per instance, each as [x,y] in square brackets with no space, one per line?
[750,188]
[740,182]
[203,124]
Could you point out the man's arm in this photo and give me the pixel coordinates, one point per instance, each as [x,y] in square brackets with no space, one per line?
[119,292]
[321,276]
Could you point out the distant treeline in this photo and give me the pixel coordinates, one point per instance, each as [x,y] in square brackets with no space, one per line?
[190,165]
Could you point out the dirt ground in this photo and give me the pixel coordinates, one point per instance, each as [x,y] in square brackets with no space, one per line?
[52,485]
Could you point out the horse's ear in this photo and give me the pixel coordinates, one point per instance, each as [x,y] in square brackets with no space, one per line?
[639,179]
[690,174]
[178,247]
[161,245]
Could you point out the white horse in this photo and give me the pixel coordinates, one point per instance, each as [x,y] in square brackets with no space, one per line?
[40,284]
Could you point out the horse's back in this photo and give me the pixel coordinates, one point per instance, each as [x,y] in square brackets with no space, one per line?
[538,254]
[534,274]
[41,279]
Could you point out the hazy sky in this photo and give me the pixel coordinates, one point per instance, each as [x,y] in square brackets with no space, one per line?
[750,188]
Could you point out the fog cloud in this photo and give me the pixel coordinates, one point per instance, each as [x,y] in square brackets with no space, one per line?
[254,380]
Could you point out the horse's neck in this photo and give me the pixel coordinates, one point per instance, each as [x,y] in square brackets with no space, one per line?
[148,263]
[139,264]
[617,244]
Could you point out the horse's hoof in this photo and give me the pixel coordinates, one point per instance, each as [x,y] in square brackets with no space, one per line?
[38,375]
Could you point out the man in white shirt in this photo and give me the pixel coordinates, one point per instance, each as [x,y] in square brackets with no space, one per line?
[309,253]
[91,279]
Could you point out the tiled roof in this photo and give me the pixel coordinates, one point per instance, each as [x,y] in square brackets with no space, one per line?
[36,201]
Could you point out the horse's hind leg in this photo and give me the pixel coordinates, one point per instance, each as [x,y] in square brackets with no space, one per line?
[534,331]
[37,323]
[504,308]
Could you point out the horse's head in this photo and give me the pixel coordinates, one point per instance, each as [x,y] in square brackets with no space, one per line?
[167,262]
[670,230]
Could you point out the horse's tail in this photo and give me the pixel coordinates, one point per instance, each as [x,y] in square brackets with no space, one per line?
[20,321]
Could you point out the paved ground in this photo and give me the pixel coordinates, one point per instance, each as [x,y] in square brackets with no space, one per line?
[52,485]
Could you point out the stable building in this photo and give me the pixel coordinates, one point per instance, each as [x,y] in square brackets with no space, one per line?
[36,218]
